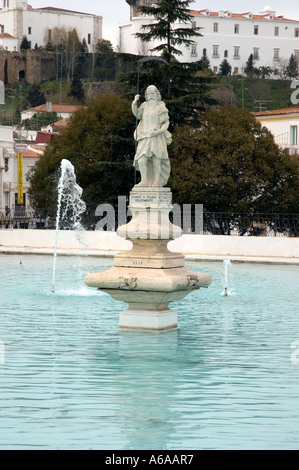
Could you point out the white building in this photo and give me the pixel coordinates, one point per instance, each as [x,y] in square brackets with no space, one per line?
[19,20]
[64,111]
[234,36]
[284,125]
[9,175]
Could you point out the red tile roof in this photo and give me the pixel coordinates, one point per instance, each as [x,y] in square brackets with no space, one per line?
[56,108]
[6,35]
[240,15]
[276,112]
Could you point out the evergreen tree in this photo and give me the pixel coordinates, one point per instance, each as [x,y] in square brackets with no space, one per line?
[250,67]
[167,13]
[35,96]
[232,164]
[292,67]
[24,44]
[99,143]
[76,89]
[225,68]
[185,87]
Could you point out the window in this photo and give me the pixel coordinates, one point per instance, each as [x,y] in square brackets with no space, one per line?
[237,28]
[215,27]
[256,54]
[29,29]
[193,50]
[89,38]
[276,31]
[296,32]
[226,53]
[256,30]
[215,51]
[236,70]
[296,54]
[276,54]
[193,24]
[293,135]
[237,52]
[6,164]
[215,69]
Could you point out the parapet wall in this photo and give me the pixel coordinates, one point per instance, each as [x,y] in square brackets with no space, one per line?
[31,66]
[194,247]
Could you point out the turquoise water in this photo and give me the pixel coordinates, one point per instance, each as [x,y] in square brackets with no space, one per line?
[226,379]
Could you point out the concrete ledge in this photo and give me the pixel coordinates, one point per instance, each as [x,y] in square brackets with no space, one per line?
[194,247]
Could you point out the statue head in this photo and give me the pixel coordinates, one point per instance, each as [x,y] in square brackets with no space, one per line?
[152,92]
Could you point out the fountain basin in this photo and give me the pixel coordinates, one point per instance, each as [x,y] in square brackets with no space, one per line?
[149,276]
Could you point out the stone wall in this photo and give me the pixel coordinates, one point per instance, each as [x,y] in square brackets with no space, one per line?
[31,66]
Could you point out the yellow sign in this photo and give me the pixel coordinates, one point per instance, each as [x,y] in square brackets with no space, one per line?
[20,178]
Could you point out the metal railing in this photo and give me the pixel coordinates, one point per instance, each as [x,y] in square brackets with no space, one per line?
[213,223]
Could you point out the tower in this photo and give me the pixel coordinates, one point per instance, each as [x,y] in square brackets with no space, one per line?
[135,4]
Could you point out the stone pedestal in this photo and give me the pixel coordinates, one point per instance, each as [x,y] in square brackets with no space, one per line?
[149,276]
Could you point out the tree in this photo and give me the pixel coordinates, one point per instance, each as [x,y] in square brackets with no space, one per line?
[250,69]
[76,89]
[225,69]
[264,71]
[169,14]
[292,67]
[35,96]
[105,63]
[24,44]
[66,43]
[185,87]
[232,164]
[40,120]
[99,143]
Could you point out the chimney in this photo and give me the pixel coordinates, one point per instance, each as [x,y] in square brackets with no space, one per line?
[49,107]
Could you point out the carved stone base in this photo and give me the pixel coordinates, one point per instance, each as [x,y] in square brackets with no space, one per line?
[149,276]
[148,320]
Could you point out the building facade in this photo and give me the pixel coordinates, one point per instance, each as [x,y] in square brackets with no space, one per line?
[19,20]
[271,38]
[284,125]
[12,180]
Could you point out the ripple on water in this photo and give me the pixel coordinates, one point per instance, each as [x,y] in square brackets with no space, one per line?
[223,380]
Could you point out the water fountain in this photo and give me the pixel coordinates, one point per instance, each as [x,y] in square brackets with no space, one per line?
[226,275]
[69,208]
[149,276]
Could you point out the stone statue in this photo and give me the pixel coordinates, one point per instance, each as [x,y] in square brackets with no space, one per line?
[152,135]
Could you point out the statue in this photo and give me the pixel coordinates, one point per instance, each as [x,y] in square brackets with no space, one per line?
[152,137]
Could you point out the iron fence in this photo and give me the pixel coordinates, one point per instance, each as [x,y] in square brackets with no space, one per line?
[214,223]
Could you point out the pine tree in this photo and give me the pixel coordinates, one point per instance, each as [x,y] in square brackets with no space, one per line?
[167,13]
[24,44]
[292,67]
[76,89]
[35,96]
[225,68]
[185,87]
[250,69]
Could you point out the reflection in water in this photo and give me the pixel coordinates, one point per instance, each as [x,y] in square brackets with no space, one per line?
[71,380]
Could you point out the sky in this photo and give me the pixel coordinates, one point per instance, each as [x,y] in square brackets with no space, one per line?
[116,12]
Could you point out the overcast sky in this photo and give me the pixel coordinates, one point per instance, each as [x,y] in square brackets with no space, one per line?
[115,12]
